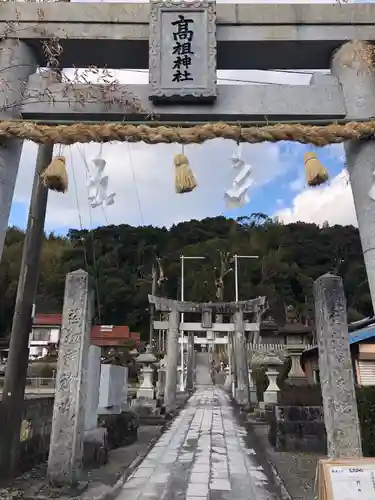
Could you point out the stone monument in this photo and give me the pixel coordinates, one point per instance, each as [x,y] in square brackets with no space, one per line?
[111,394]
[336,371]
[68,423]
[93,383]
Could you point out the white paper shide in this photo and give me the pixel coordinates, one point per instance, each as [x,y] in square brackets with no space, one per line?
[97,185]
[237,196]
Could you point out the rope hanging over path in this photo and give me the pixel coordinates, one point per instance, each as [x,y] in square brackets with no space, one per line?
[107,132]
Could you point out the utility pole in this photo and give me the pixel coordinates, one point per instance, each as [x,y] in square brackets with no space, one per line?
[182,259]
[16,371]
[236,259]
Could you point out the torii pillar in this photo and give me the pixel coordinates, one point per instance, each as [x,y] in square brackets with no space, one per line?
[17,63]
[358,86]
[172,360]
[242,372]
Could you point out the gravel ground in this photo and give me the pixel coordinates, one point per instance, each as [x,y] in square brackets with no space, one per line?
[99,480]
[296,470]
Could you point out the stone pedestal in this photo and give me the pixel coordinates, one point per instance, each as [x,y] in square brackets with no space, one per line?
[336,370]
[271,394]
[252,389]
[228,379]
[17,63]
[160,386]
[181,374]
[68,423]
[296,376]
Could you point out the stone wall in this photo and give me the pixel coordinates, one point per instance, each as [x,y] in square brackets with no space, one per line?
[35,431]
[300,395]
[37,424]
[298,428]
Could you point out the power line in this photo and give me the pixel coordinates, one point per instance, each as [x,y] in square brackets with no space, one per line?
[95,267]
[77,202]
[135,185]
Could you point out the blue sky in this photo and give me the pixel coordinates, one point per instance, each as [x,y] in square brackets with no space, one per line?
[280,192]
[143,178]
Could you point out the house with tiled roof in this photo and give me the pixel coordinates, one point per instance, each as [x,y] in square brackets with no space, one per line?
[46,330]
[362,349]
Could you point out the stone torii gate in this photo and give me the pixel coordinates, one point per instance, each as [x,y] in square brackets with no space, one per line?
[238,341]
[226,36]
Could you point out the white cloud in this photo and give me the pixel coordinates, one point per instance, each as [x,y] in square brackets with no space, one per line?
[332,202]
[154,172]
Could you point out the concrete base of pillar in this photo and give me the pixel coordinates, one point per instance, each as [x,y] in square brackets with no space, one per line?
[253,397]
[146,393]
[145,407]
[270,397]
[95,447]
[241,397]
[297,381]
[228,383]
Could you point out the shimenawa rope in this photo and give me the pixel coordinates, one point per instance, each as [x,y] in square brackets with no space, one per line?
[107,132]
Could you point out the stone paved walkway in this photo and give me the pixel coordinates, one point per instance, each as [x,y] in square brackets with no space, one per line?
[202,455]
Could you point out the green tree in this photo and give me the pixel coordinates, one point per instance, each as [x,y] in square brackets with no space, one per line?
[120,260]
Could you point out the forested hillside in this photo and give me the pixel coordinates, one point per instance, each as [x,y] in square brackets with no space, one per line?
[120,260]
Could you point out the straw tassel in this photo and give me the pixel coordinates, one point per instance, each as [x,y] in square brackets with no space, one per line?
[55,176]
[185,179]
[316,174]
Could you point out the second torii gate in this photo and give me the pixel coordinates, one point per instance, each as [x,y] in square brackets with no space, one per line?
[237,341]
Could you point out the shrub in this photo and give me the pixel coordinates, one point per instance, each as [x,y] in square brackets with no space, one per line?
[366,412]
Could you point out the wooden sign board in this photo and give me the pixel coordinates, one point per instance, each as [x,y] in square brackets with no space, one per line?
[346,479]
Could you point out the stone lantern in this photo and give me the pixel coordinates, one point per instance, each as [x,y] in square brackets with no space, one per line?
[273,364]
[146,390]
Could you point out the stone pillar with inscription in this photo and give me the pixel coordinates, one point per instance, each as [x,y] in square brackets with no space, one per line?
[68,423]
[233,366]
[336,369]
[242,390]
[190,362]
[182,52]
[172,360]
